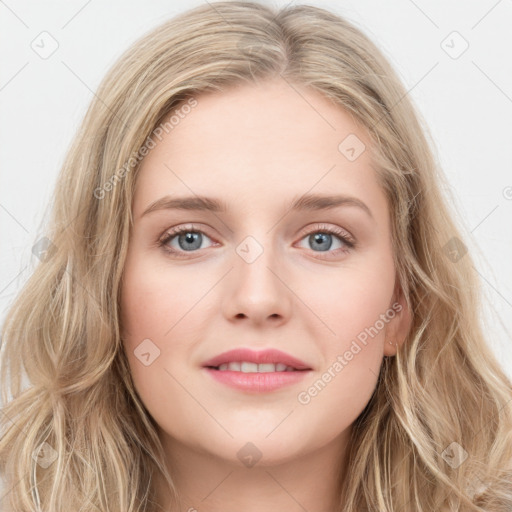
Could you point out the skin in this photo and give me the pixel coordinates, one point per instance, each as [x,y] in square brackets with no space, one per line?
[257,148]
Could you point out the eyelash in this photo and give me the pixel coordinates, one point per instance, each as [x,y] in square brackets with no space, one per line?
[349,242]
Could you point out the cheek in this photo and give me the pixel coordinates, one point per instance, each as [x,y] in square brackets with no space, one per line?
[149,302]
[147,308]
[351,307]
[161,313]
[350,301]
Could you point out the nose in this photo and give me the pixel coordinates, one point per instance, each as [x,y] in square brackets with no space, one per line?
[257,288]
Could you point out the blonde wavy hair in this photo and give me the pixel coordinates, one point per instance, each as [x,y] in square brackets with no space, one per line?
[78,436]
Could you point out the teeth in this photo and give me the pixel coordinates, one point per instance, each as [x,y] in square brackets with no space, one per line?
[246,367]
[269,367]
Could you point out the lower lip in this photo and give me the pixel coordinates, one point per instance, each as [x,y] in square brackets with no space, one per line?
[257,382]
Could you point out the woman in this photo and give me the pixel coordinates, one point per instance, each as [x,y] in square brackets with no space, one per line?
[188,344]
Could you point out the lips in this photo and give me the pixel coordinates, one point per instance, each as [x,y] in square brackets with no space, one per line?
[267,356]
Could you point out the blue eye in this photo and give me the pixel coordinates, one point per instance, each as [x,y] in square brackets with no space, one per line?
[322,238]
[190,239]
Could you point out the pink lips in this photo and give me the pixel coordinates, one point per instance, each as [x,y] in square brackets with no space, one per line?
[261,357]
[256,382]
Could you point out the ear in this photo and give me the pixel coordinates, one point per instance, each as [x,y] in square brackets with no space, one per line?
[399,326]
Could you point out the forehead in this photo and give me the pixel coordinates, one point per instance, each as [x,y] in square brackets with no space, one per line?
[269,141]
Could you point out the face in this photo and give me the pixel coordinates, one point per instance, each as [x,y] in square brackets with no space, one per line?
[314,282]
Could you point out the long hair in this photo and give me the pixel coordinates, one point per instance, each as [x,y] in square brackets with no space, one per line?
[437,431]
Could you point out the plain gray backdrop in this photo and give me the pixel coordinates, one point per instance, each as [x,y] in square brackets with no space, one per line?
[453,57]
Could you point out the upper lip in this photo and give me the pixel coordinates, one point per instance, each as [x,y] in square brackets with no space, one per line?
[263,356]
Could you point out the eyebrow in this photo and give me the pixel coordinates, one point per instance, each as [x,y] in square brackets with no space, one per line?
[307,202]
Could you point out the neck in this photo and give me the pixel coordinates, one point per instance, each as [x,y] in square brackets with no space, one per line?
[308,481]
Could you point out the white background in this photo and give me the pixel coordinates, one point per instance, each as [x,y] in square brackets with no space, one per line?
[465,101]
